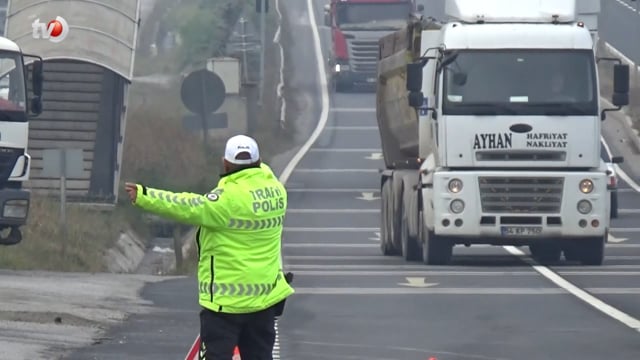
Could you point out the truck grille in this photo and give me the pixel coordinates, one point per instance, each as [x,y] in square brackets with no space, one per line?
[364,55]
[521,194]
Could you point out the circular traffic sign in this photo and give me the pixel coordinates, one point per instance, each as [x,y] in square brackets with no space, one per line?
[202,92]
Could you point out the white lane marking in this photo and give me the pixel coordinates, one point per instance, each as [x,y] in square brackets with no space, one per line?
[368,196]
[334,190]
[343,150]
[330,229]
[380,267]
[279,90]
[324,97]
[324,112]
[392,272]
[599,273]
[351,128]
[337,109]
[626,190]
[625,230]
[627,5]
[375,156]
[329,245]
[457,291]
[619,170]
[332,211]
[629,211]
[376,237]
[579,293]
[337,170]
[613,239]
[372,229]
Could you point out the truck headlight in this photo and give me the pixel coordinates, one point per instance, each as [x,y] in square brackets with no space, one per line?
[586,186]
[584,207]
[456,206]
[455,185]
[15,209]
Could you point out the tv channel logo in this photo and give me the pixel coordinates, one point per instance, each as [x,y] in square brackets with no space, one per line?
[55,30]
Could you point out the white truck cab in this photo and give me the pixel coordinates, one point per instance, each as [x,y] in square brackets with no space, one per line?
[15,110]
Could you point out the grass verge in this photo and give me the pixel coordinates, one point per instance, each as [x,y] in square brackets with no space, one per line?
[89,234]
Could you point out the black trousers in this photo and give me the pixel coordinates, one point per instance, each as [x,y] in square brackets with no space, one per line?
[253,333]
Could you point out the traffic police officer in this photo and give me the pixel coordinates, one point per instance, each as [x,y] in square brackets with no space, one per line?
[242,287]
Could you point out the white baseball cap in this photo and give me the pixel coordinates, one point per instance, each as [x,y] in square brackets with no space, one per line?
[239,144]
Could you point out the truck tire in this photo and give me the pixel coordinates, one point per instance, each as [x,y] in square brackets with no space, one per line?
[592,251]
[614,205]
[546,254]
[436,250]
[13,238]
[411,250]
[386,219]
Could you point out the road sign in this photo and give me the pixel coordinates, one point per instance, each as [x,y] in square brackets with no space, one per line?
[193,122]
[55,166]
[202,92]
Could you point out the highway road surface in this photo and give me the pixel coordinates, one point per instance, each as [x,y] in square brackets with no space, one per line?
[354,303]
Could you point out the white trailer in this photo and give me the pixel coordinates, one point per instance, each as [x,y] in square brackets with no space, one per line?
[490,127]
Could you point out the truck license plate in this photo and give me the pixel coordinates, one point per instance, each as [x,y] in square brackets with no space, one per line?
[521,230]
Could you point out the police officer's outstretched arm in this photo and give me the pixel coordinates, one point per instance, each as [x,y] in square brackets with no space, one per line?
[210,210]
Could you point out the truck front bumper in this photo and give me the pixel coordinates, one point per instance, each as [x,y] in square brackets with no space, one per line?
[14,207]
[520,207]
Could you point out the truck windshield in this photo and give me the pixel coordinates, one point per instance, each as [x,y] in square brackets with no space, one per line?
[521,82]
[12,88]
[372,16]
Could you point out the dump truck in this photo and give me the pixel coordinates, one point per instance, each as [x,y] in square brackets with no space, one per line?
[356,26]
[490,129]
[15,110]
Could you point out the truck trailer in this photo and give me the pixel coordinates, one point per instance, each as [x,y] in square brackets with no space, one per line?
[490,128]
[356,26]
[15,110]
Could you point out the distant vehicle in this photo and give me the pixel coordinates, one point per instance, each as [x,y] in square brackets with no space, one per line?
[613,177]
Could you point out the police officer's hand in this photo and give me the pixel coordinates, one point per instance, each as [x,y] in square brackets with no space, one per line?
[132,190]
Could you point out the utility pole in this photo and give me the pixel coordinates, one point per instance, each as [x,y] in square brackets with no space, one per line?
[262,6]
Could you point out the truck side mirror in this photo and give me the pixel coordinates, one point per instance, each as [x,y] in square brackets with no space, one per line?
[416,99]
[620,85]
[327,15]
[37,77]
[414,77]
[617,159]
[36,105]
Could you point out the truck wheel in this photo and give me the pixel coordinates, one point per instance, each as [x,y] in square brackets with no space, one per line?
[546,253]
[436,250]
[386,220]
[592,251]
[614,205]
[14,237]
[411,250]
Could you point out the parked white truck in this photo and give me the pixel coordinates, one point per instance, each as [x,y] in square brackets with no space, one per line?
[490,127]
[15,111]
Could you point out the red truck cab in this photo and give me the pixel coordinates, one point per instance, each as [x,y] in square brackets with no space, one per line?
[356,26]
